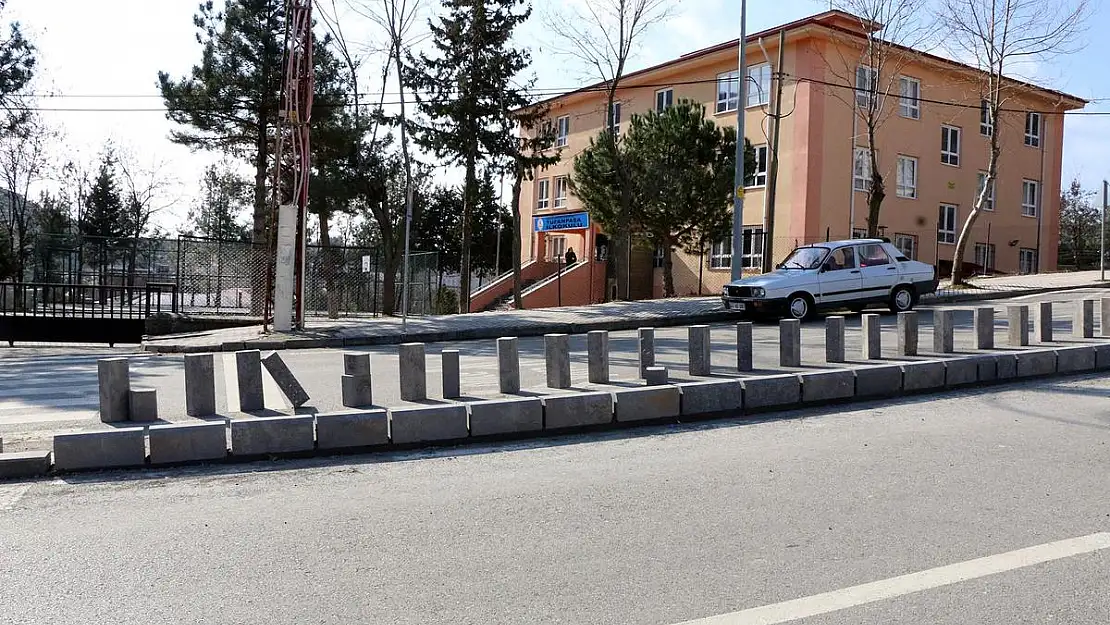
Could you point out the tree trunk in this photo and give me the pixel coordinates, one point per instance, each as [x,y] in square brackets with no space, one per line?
[518,301]
[260,258]
[668,269]
[878,187]
[389,266]
[469,193]
[328,265]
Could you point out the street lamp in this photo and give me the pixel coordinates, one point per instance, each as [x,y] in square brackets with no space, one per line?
[738,195]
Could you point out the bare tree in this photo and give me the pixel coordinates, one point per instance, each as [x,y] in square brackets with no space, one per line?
[998,35]
[23,165]
[890,32]
[603,38]
[146,190]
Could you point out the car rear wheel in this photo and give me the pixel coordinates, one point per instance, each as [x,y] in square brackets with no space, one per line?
[799,306]
[902,299]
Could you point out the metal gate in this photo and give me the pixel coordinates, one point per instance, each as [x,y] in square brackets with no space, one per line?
[80,313]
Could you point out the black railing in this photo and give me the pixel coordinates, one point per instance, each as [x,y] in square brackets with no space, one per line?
[87,301]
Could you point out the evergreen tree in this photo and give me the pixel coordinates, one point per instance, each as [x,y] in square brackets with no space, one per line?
[466,90]
[218,212]
[17,68]
[1079,227]
[104,205]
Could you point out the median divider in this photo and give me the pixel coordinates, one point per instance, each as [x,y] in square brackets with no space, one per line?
[647,404]
[428,424]
[352,429]
[506,416]
[711,397]
[188,442]
[878,381]
[272,435]
[827,386]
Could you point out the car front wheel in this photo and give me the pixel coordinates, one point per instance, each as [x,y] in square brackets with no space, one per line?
[902,299]
[799,306]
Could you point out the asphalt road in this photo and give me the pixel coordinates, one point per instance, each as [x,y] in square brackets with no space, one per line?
[44,394]
[787,517]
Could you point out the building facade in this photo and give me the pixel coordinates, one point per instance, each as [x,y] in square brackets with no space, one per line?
[933,147]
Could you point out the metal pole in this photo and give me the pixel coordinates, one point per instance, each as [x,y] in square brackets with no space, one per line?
[1102,233]
[772,183]
[738,195]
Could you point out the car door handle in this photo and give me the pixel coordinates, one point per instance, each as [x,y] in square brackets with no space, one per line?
[854,271]
[891,268]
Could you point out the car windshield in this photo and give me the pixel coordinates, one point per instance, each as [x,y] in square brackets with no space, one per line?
[805,258]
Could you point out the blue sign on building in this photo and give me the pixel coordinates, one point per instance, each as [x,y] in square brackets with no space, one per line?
[572,221]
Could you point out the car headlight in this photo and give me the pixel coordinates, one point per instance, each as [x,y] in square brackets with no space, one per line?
[758,292]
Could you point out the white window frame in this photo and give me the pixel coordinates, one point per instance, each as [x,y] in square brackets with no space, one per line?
[859,233]
[562,131]
[720,254]
[989,205]
[614,118]
[759,85]
[907,188]
[668,94]
[751,258]
[561,186]
[1034,123]
[900,242]
[861,170]
[728,92]
[947,213]
[1030,197]
[1027,260]
[909,104]
[760,177]
[866,77]
[948,156]
[657,256]
[543,194]
[556,247]
[985,256]
[986,128]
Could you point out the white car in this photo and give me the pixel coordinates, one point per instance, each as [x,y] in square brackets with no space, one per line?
[839,274]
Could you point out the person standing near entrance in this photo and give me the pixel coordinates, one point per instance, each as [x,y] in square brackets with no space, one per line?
[570,257]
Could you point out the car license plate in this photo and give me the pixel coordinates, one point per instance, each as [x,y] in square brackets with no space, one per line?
[738,306]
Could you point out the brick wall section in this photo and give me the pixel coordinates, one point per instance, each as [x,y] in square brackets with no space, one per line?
[575,288]
[530,270]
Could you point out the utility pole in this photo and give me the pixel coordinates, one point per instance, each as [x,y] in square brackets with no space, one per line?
[1102,233]
[772,183]
[738,195]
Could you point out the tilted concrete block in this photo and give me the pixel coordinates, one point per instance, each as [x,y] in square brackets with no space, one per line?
[879,381]
[646,404]
[1075,359]
[771,391]
[100,450]
[506,416]
[428,423]
[711,397]
[188,442]
[23,464]
[356,428]
[285,379]
[272,435]
[822,386]
[920,376]
[578,410]
[1036,363]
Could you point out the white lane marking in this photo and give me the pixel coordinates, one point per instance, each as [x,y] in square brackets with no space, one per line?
[907,584]
[231,382]
[272,397]
[10,495]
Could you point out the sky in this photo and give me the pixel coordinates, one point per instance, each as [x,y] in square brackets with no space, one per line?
[101,57]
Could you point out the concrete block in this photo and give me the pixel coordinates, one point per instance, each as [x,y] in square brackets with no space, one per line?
[834,339]
[508,365]
[356,364]
[646,404]
[1075,359]
[944,328]
[711,397]
[413,372]
[1104,321]
[272,435]
[114,379]
[771,391]
[357,391]
[597,346]
[1036,363]
[822,386]
[356,428]
[790,343]
[200,385]
[984,327]
[879,381]
[872,337]
[1005,367]
[100,450]
[920,376]
[143,404]
[23,464]
[1102,357]
[986,367]
[578,410]
[248,369]
[188,442]
[1083,323]
[646,349]
[656,376]
[285,379]
[1017,316]
[506,416]
[1044,322]
[451,375]
[907,333]
[961,372]
[556,353]
[428,423]
[700,353]
[744,346]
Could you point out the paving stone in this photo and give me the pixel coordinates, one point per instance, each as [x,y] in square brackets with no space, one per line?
[272,435]
[428,423]
[355,428]
[100,450]
[773,391]
[506,416]
[646,404]
[821,386]
[188,442]
[577,410]
[711,397]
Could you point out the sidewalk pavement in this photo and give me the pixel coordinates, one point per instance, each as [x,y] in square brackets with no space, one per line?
[352,332]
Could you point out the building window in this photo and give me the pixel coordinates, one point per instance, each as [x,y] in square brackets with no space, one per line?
[907,177]
[988,203]
[760,178]
[543,194]
[984,256]
[907,244]
[664,99]
[1027,260]
[1029,193]
[861,170]
[1033,129]
[859,233]
[946,224]
[986,124]
[561,192]
[866,81]
[556,248]
[950,145]
[720,254]
[657,256]
[759,85]
[728,92]
[909,102]
[615,119]
[562,131]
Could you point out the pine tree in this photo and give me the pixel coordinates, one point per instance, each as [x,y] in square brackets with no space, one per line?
[104,221]
[17,68]
[218,212]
